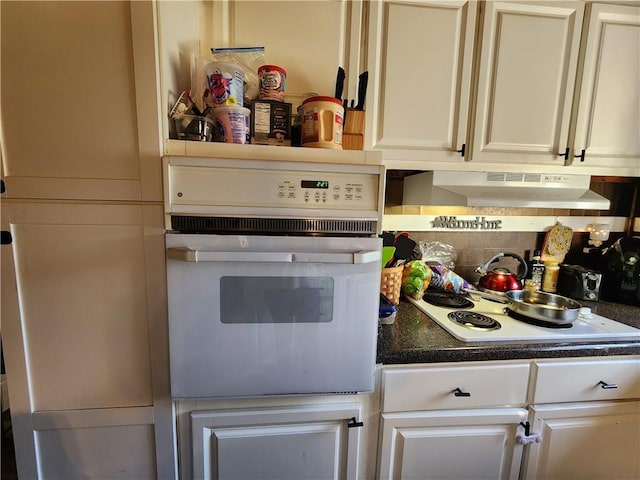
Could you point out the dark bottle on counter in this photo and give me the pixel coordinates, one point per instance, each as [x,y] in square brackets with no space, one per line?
[536,270]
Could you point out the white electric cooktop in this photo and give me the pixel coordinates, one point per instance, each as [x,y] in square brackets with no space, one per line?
[501,327]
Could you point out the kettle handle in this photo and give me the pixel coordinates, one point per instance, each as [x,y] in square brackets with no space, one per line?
[522,265]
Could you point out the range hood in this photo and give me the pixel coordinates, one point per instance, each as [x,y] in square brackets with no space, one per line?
[502,189]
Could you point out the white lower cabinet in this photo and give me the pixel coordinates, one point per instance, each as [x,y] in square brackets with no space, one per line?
[452,420]
[284,438]
[587,414]
[596,440]
[303,442]
[453,444]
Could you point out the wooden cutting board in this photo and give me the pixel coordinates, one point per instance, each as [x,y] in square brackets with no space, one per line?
[556,243]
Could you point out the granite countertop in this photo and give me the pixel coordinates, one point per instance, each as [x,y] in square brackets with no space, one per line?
[415,338]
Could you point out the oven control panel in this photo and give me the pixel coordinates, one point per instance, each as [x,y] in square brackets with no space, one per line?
[324,189]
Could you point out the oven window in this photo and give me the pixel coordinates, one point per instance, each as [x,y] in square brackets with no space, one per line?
[276,299]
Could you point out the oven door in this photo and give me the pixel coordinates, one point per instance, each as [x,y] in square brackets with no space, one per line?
[256,315]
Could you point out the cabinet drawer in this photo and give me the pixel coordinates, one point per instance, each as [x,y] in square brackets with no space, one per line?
[586,380]
[436,387]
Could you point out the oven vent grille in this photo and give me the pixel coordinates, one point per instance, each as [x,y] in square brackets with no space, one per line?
[271,226]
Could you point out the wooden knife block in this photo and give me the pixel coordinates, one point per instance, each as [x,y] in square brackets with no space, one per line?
[353,134]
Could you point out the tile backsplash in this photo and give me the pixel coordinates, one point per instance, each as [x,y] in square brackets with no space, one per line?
[474,249]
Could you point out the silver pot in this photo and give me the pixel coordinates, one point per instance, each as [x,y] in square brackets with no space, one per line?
[546,307]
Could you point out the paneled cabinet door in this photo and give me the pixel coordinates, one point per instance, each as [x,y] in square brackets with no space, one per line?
[304,442]
[80,114]
[451,444]
[81,275]
[527,72]
[420,55]
[597,440]
[310,40]
[608,119]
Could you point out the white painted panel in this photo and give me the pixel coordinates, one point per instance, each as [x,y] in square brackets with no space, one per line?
[296,442]
[608,119]
[104,452]
[300,452]
[432,387]
[68,97]
[420,67]
[83,304]
[451,444]
[527,70]
[596,440]
[575,381]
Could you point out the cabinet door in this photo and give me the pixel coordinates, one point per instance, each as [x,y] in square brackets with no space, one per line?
[79,120]
[307,442]
[455,444]
[310,40]
[526,79]
[608,119]
[597,440]
[420,66]
[81,278]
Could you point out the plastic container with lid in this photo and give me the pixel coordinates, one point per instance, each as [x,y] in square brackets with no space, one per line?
[322,119]
[232,124]
[272,80]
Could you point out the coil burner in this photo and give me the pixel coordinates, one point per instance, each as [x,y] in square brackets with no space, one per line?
[474,320]
[447,299]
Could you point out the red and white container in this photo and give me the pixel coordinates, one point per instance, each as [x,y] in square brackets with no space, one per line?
[225,85]
[322,119]
[272,80]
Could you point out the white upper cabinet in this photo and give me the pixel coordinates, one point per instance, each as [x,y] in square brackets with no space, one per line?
[527,70]
[608,111]
[79,101]
[420,59]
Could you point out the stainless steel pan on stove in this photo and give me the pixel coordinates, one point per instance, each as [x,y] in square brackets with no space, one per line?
[546,307]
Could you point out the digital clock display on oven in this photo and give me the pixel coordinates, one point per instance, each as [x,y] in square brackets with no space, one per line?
[314,184]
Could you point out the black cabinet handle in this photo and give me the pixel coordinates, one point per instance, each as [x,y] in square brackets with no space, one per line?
[2,187]
[459,393]
[565,154]
[606,386]
[461,151]
[353,423]
[581,156]
[5,237]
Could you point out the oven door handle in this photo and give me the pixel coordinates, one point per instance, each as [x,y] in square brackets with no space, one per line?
[188,255]
[366,256]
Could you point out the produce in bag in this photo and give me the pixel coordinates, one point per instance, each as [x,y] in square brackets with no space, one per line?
[445,279]
[416,277]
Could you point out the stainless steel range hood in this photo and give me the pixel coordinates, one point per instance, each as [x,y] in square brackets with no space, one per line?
[502,189]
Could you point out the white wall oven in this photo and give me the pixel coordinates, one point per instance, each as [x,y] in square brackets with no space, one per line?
[273,272]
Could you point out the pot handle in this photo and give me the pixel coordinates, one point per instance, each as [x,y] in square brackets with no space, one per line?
[522,267]
[491,296]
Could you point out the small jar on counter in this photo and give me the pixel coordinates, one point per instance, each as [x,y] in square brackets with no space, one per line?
[550,278]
